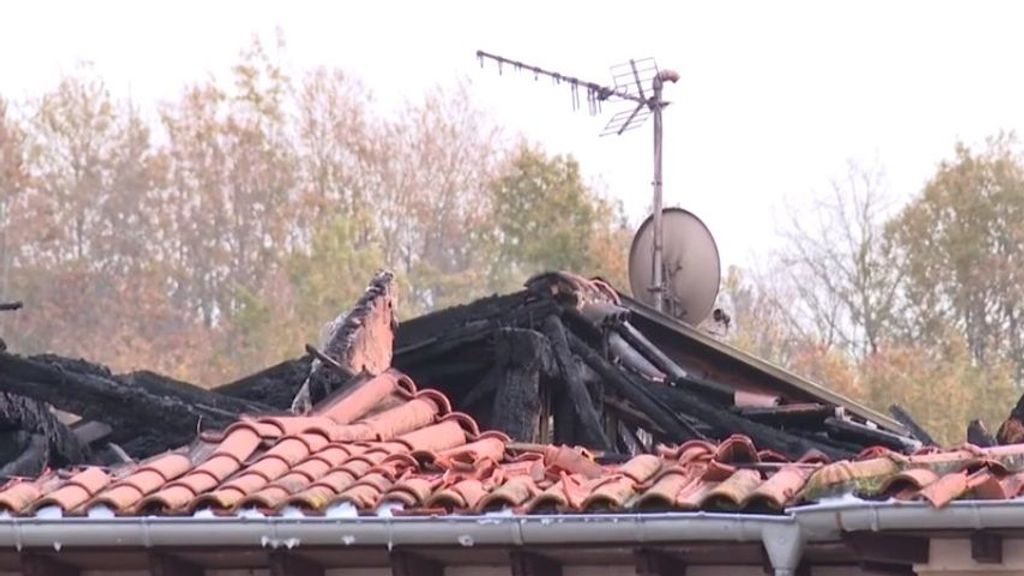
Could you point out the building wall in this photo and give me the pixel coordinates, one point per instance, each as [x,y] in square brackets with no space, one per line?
[952,557]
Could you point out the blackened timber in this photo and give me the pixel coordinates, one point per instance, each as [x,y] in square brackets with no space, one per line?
[978,435]
[129,404]
[675,427]
[484,389]
[726,423]
[646,348]
[274,386]
[916,430]
[10,306]
[862,434]
[804,414]
[574,384]
[522,356]
[650,351]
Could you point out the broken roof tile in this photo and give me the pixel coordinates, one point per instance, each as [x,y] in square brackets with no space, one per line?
[410,449]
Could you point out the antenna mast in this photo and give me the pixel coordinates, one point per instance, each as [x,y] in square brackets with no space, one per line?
[629,79]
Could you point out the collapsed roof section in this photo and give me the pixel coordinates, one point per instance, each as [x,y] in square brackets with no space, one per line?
[566,361]
[571,361]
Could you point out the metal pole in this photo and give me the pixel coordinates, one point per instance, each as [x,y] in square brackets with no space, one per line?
[659,284]
[657,104]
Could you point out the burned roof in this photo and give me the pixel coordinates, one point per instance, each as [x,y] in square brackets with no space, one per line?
[565,396]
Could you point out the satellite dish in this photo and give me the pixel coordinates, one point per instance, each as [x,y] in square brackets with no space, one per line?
[692,270]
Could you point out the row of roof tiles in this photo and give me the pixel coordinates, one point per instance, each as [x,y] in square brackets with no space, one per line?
[386,445]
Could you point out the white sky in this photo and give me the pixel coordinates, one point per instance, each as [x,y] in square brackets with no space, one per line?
[774,96]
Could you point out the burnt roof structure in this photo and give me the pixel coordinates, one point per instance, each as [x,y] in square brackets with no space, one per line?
[547,427]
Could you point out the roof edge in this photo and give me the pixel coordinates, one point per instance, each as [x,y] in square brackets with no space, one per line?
[278,532]
[779,373]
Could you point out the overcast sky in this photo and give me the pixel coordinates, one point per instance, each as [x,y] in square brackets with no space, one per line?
[774,97]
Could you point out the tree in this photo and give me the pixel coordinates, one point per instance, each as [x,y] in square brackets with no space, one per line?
[961,243]
[546,218]
[839,264]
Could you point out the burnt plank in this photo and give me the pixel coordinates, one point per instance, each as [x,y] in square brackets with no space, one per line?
[522,356]
[916,430]
[575,387]
[676,429]
[129,404]
[804,414]
[725,423]
[846,429]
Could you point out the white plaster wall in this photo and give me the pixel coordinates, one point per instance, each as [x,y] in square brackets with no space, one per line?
[950,557]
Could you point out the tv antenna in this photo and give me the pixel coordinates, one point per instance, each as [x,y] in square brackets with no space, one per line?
[630,82]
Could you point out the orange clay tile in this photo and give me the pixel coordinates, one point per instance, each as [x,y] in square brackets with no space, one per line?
[360,399]
[665,488]
[383,442]
[945,489]
[736,449]
[776,492]
[19,495]
[733,491]
[515,491]
[76,490]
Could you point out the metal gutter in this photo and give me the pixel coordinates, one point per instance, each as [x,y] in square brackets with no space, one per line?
[829,521]
[776,372]
[275,532]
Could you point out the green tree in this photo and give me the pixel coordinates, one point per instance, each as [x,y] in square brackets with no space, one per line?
[961,246]
[546,218]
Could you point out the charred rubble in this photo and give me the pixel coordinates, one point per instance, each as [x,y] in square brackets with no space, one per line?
[566,360]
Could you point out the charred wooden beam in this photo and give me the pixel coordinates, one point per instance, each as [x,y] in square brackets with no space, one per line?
[130,404]
[916,430]
[978,435]
[524,563]
[987,547]
[275,386]
[808,414]
[676,428]
[10,306]
[726,423]
[60,447]
[523,356]
[575,387]
[863,434]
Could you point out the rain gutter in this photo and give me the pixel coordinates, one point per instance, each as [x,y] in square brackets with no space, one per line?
[278,532]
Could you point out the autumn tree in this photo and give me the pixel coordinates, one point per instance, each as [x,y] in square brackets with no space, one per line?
[961,243]
[838,263]
[546,217]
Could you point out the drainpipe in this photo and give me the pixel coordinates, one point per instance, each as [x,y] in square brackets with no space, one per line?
[784,544]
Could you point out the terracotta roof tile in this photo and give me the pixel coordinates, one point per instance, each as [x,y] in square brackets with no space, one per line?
[384,444]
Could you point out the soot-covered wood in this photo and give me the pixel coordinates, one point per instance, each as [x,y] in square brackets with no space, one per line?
[522,358]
